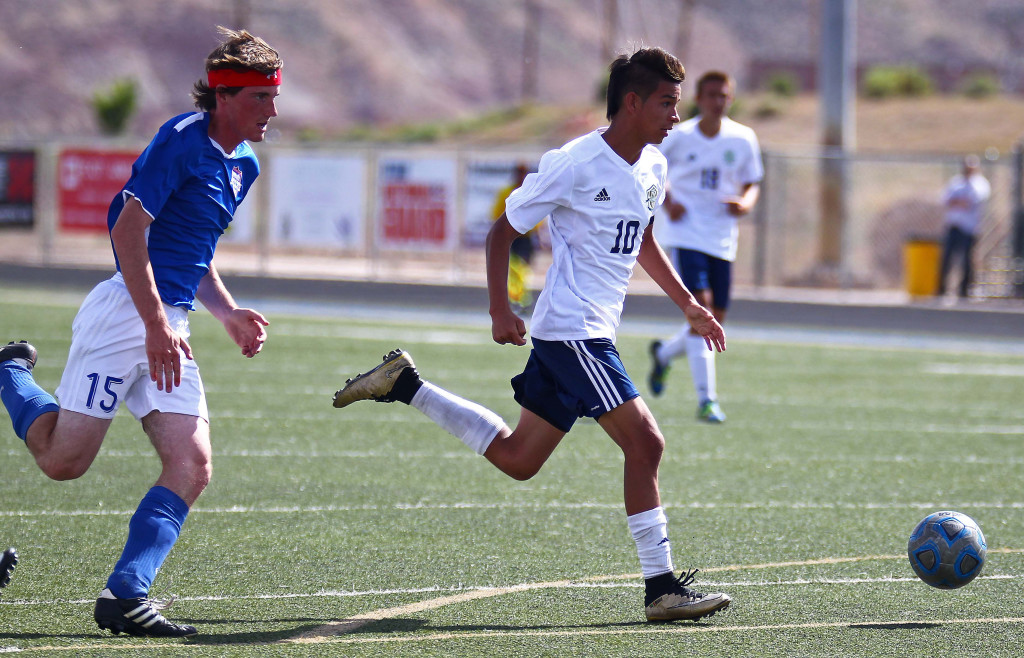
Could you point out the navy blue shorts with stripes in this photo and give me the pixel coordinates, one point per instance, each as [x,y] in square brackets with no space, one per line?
[566,380]
[700,271]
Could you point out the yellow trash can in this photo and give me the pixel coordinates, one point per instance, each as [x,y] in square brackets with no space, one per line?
[921,266]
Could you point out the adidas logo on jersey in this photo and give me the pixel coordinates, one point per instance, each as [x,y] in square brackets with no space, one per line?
[603,195]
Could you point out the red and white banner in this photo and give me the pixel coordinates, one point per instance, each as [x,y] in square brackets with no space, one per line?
[87,182]
[415,203]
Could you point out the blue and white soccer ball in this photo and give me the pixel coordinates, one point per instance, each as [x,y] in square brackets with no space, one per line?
[947,550]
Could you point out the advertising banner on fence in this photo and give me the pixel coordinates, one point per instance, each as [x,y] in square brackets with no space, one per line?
[242,229]
[87,181]
[416,203]
[17,187]
[318,200]
[484,180]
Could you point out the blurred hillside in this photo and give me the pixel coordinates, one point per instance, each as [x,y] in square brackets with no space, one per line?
[358,67]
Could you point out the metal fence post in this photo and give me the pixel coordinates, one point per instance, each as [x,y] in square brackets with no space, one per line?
[1017,187]
[761,226]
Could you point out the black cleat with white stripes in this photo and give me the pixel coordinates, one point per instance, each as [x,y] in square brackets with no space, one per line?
[140,617]
[8,560]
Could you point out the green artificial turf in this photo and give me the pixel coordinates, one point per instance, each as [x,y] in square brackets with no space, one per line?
[368,531]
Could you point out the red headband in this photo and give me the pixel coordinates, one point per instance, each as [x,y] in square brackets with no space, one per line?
[247,78]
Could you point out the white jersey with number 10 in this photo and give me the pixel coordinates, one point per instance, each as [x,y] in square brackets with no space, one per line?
[599,206]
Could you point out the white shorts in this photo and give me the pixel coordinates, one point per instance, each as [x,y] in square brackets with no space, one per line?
[108,365]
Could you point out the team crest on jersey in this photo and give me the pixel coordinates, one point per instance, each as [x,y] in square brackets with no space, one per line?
[236,181]
[652,197]
[730,156]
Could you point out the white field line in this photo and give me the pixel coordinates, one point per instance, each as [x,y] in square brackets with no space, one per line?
[639,629]
[412,507]
[278,453]
[331,630]
[980,370]
[335,632]
[402,507]
[622,581]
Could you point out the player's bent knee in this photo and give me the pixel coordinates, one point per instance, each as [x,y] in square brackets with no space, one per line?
[201,478]
[522,472]
[516,464]
[62,470]
[200,474]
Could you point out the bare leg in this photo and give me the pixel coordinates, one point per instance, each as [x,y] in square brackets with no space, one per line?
[520,453]
[183,444]
[634,430]
[64,444]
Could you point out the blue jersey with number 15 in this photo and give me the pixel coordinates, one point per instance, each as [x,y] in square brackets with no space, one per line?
[191,188]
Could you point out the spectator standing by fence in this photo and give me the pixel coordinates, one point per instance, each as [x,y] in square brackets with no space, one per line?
[964,200]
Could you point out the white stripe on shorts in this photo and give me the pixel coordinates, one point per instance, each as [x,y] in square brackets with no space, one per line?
[603,384]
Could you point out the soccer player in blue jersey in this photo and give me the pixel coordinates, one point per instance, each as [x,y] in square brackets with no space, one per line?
[130,338]
[600,192]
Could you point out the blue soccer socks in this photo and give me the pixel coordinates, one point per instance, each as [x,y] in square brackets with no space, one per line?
[24,399]
[152,532]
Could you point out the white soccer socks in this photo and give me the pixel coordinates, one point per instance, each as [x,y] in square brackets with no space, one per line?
[650,532]
[473,424]
[702,367]
[673,347]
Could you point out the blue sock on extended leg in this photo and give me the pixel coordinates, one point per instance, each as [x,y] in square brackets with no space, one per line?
[151,534]
[24,399]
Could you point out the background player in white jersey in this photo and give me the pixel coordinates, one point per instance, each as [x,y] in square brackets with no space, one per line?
[600,192]
[130,338]
[714,169]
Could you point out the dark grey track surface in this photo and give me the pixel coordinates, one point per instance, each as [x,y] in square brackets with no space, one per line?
[981,320]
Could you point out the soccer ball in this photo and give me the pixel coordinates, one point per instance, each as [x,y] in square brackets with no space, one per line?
[947,550]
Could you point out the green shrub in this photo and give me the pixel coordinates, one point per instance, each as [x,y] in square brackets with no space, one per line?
[768,108]
[690,109]
[889,81]
[981,85]
[115,106]
[420,132]
[783,84]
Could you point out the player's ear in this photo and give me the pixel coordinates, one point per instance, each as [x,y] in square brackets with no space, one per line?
[632,102]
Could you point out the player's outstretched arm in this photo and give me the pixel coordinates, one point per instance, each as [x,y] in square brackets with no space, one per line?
[654,261]
[506,326]
[244,325]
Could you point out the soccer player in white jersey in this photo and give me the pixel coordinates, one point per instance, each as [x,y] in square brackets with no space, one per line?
[714,170]
[600,192]
[130,338]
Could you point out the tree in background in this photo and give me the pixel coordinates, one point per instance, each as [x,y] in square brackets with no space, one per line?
[115,106]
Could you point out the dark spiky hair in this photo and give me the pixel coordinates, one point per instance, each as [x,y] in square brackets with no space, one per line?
[641,73]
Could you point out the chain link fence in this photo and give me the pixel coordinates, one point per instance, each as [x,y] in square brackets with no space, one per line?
[804,235]
[824,220]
